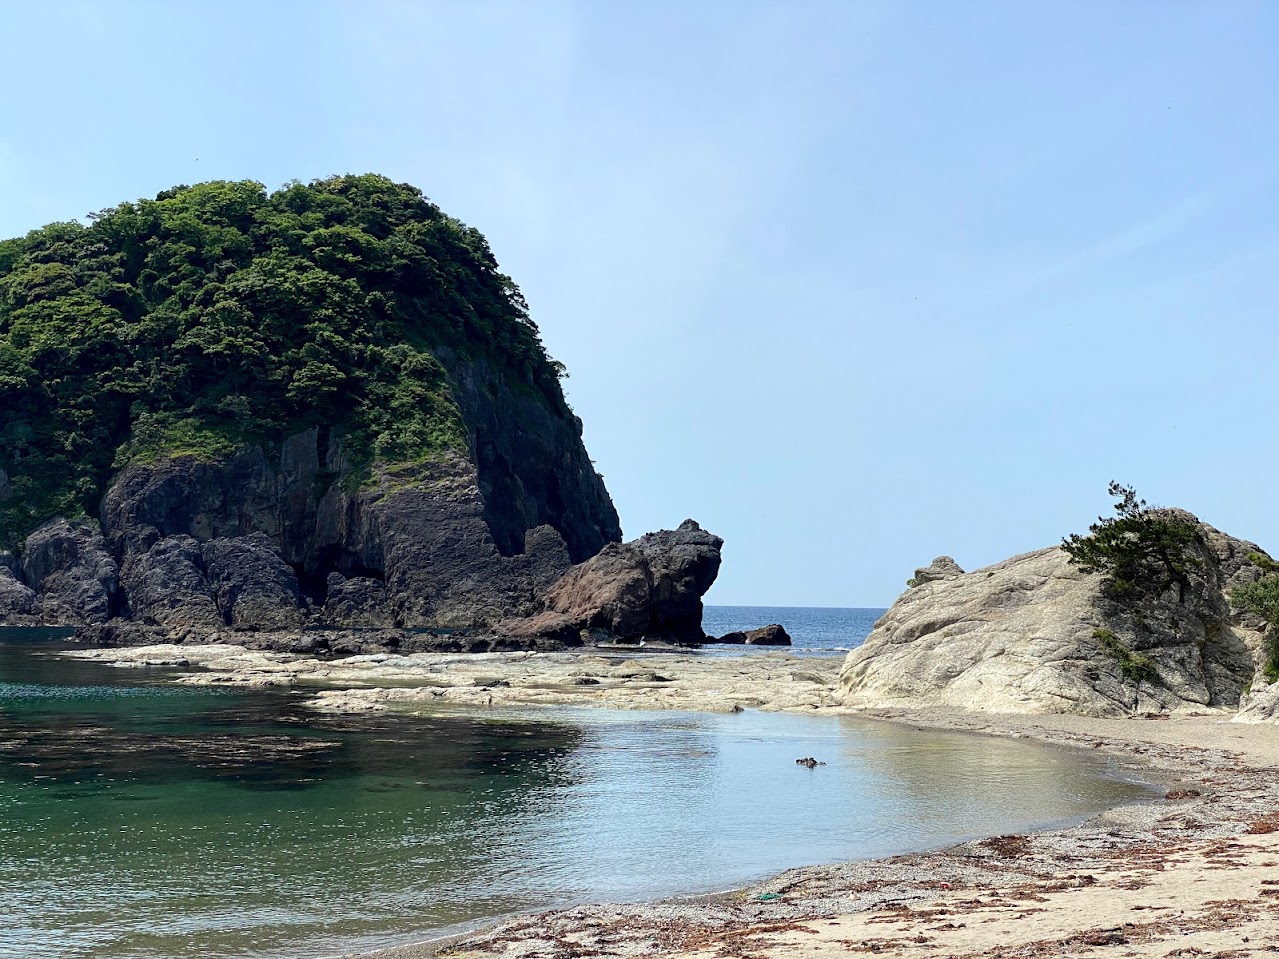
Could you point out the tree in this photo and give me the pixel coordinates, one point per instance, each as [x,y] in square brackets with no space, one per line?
[1139,549]
[1262,597]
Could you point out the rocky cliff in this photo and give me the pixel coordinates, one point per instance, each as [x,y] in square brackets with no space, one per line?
[323,406]
[1034,634]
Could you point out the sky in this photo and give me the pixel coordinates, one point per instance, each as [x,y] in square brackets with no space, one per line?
[853,284]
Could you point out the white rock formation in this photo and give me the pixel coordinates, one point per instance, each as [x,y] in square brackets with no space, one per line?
[1033,634]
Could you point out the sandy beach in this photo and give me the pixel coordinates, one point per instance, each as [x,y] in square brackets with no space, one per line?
[1192,874]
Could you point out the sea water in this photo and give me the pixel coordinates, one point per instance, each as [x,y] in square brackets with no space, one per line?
[143,819]
[814,630]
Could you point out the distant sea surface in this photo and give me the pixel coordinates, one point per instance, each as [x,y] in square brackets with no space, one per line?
[814,630]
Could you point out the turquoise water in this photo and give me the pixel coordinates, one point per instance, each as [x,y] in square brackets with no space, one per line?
[814,630]
[143,820]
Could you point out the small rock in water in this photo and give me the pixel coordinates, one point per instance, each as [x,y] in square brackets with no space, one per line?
[809,761]
[771,635]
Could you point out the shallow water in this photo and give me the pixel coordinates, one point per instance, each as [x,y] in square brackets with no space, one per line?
[146,820]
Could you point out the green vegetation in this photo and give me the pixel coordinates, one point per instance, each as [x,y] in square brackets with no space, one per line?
[1135,667]
[1139,550]
[219,314]
[1262,597]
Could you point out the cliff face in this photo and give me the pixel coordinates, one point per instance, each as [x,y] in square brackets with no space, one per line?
[416,544]
[1033,634]
[426,535]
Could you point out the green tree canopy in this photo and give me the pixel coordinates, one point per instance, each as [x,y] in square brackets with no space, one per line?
[1139,549]
[219,314]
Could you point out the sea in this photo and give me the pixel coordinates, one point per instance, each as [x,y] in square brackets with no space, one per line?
[814,630]
[140,819]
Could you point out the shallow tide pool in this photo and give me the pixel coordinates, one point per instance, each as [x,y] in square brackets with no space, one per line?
[139,819]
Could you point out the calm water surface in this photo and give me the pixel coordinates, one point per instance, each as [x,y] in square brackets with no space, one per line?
[145,820]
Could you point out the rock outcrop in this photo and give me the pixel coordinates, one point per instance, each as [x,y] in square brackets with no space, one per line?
[410,548]
[771,635]
[1034,634]
[254,545]
[651,587]
[69,566]
[943,567]
[19,604]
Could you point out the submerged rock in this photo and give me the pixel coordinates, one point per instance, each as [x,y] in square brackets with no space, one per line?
[1034,634]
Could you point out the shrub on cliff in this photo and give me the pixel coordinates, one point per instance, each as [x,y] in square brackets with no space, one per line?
[1139,549]
[220,313]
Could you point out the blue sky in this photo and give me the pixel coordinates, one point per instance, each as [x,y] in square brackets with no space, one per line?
[853,284]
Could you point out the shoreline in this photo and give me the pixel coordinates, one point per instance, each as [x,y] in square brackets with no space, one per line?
[1141,879]
[1138,880]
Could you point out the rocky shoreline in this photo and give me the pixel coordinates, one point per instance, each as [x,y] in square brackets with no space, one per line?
[1191,874]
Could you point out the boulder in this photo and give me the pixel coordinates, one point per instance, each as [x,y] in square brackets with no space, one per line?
[736,638]
[943,567]
[252,585]
[68,565]
[359,601]
[168,585]
[1034,634]
[771,635]
[19,604]
[652,586]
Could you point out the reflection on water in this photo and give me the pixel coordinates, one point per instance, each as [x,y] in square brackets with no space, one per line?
[143,820]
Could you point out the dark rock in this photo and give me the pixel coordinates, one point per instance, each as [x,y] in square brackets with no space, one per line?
[441,564]
[454,542]
[552,626]
[772,635]
[168,585]
[360,601]
[189,496]
[69,566]
[652,586]
[252,585]
[19,605]
[531,466]
[121,632]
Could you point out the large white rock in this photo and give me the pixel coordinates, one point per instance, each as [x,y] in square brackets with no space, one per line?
[1022,636]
